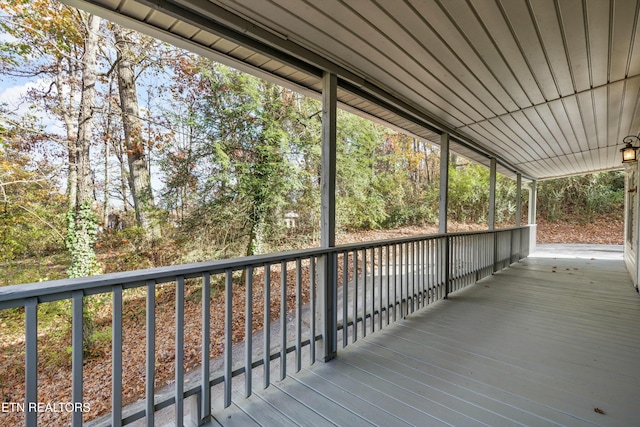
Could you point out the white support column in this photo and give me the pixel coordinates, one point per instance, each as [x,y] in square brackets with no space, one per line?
[518,199]
[327,283]
[533,190]
[492,194]
[636,237]
[444,182]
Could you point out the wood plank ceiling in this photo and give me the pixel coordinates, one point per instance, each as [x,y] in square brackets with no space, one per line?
[547,87]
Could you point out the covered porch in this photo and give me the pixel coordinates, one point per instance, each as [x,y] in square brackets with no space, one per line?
[461,328]
[549,341]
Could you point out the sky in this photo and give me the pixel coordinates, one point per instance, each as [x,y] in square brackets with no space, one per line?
[13,91]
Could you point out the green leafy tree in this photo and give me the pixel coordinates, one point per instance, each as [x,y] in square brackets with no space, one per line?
[239,156]
[469,193]
[581,198]
[30,205]
[407,170]
[360,204]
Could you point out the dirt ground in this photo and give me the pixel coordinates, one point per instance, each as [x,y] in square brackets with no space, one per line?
[604,231]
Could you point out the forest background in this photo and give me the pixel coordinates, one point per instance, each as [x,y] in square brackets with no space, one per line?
[124,152]
[197,161]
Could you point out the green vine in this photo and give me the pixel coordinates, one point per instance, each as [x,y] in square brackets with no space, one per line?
[82,230]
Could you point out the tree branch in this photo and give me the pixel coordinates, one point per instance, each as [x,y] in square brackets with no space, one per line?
[22,181]
[45,222]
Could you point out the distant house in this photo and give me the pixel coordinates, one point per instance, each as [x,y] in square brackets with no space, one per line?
[291,219]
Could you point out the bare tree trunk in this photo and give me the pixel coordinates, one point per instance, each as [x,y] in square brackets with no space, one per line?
[72,177]
[87,105]
[123,182]
[107,154]
[67,111]
[82,224]
[139,177]
[425,147]
[118,150]
[107,183]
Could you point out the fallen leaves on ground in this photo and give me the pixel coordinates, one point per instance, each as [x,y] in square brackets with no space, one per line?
[54,377]
[601,231]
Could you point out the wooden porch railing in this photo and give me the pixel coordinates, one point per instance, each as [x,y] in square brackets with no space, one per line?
[349,291]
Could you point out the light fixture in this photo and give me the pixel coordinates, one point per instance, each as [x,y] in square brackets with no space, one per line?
[629,152]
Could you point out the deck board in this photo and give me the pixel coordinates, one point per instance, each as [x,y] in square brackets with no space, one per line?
[232,416]
[542,343]
[262,412]
[369,413]
[331,410]
[373,392]
[295,409]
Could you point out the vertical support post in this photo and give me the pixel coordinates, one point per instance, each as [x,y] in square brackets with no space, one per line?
[373,289]
[328,281]
[518,249]
[328,178]
[150,375]
[228,331]
[116,358]
[445,273]
[312,286]
[266,353]
[394,259]
[511,246]
[388,266]
[179,366]
[636,238]
[355,296]
[399,271]
[447,261]
[248,331]
[492,194]
[533,191]
[444,203]
[299,314]
[76,354]
[31,361]
[205,388]
[518,200]
[380,275]
[345,298]
[283,320]
[444,182]
[364,291]
[496,253]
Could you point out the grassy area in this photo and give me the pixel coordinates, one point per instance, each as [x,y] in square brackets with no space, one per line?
[37,269]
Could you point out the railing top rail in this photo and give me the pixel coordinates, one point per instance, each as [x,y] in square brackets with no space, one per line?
[102,283]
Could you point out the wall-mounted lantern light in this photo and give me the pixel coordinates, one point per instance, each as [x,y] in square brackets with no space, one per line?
[629,152]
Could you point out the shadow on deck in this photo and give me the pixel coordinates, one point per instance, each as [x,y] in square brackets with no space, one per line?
[549,341]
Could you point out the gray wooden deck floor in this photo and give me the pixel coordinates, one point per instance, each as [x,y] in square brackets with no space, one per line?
[546,342]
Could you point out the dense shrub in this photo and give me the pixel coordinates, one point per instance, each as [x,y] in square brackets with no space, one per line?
[582,198]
